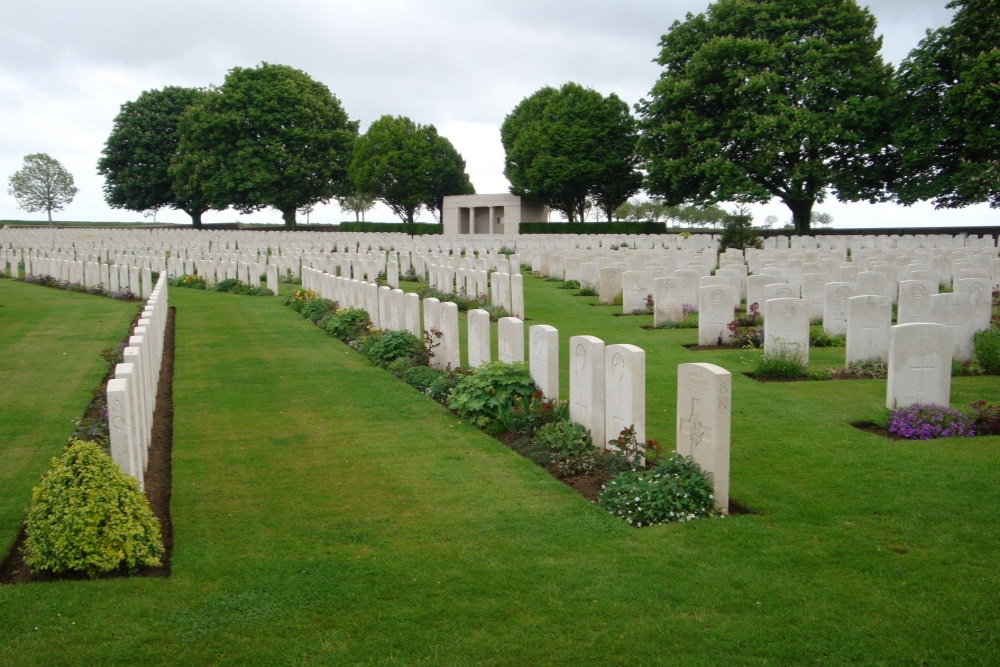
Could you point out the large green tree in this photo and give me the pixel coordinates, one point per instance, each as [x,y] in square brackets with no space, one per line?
[571,146]
[947,134]
[42,184]
[407,166]
[770,98]
[136,158]
[269,136]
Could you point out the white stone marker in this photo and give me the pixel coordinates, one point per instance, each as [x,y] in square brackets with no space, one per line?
[586,384]
[510,340]
[634,291]
[121,425]
[915,301]
[625,392]
[919,365]
[432,326]
[667,303]
[868,320]
[543,359]
[704,416]
[835,308]
[611,285]
[450,350]
[982,296]
[517,295]
[478,321]
[955,309]
[715,312]
[786,328]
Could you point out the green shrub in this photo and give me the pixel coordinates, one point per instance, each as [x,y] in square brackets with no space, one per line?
[421,377]
[587,290]
[398,367]
[987,350]
[526,417]
[86,515]
[188,280]
[297,299]
[570,445]
[786,362]
[444,384]
[675,490]
[316,309]
[389,346]
[348,324]
[819,338]
[480,396]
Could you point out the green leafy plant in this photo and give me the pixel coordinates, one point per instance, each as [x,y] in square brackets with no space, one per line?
[444,385]
[673,491]
[785,362]
[316,309]
[348,324]
[587,290]
[570,284]
[86,515]
[481,396]
[986,346]
[421,377]
[570,445]
[819,338]
[191,281]
[390,346]
[297,299]
[526,417]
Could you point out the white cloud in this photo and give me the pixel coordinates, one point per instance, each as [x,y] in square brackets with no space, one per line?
[66,68]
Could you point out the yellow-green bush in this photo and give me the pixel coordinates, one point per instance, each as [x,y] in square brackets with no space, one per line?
[86,515]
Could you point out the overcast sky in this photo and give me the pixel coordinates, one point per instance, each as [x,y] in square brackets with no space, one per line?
[461,65]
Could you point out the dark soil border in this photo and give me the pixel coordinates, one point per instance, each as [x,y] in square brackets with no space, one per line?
[158,480]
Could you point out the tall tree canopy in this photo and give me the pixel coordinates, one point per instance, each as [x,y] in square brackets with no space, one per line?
[136,158]
[268,136]
[947,133]
[570,146]
[772,98]
[42,184]
[407,166]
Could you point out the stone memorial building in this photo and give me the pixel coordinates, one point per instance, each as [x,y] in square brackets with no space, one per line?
[489,214]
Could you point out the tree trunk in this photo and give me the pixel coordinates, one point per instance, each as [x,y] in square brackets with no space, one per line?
[288,215]
[801,215]
[195,218]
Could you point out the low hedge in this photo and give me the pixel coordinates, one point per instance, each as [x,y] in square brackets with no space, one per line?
[416,229]
[592,228]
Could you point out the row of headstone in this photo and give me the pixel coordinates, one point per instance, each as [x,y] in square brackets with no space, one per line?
[131,394]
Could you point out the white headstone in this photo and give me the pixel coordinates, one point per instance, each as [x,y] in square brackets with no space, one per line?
[868,320]
[625,392]
[786,328]
[919,365]
[544,359]
[586,384]
[716,305]
[479,337]
[704,415]
[510,340]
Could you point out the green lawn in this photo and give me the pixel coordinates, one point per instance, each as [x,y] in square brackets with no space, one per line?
[324,512]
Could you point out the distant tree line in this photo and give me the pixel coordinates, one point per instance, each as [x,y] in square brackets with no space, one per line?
[271,136]
[786,99]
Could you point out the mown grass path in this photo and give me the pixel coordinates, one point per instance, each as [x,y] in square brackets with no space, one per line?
[326,513]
